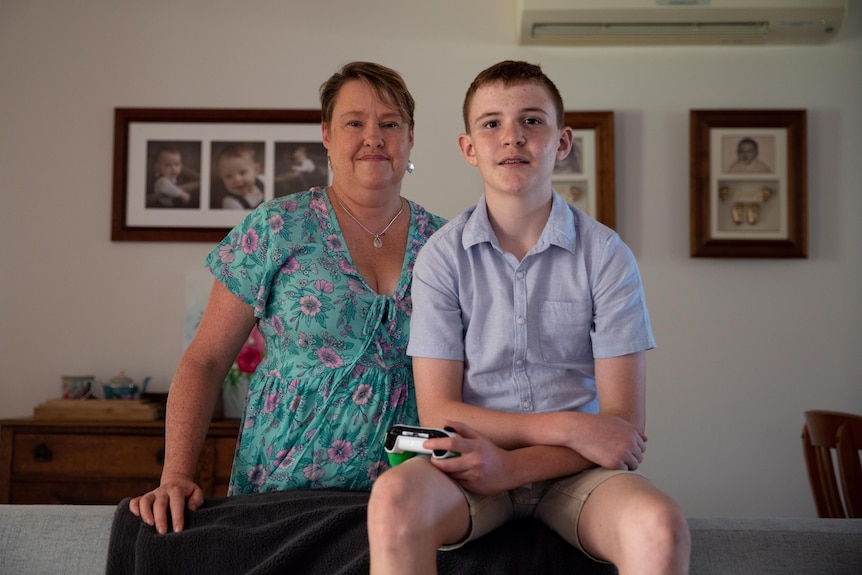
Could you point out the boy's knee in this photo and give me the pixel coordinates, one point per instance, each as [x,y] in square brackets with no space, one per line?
[398,493]
[388,490]
[663,528]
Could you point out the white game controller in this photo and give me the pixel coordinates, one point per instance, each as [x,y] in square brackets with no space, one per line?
[404,441]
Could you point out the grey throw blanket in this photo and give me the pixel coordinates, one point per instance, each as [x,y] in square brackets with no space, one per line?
[315,532]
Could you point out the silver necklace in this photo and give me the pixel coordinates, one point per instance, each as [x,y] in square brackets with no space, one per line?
[378,243]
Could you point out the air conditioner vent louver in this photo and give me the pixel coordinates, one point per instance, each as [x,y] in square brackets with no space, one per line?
[689,22]
[668,29]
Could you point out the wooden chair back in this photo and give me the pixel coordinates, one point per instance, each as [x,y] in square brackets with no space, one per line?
[823,432]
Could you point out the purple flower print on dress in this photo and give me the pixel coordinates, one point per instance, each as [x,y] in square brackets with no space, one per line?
[277,326]
[358,371]
[318,204]
[380,361]
[340,452]
[385,348]
[290,266]
[333,242]
[310,305]
[285,458]
[257,475]
[313,472]
[362,394]
[259,297]
[356,286]
[405,305]
[329,358]
[249,241]
[375,470]
[271,402]
[324,286]
[398,396]
[288,206]
[346,267]
[276,223]
[295,404]
[226,254]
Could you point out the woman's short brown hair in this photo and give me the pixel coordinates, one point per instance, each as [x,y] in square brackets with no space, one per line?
[387,84]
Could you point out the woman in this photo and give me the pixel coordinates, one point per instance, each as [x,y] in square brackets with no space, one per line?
[325,275]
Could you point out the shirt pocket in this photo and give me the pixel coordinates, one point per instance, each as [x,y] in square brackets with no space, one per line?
[564,331]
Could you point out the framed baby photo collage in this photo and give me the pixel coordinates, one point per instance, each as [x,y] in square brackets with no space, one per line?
[184,175]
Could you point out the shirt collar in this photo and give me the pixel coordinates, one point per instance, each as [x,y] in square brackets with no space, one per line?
[559,230]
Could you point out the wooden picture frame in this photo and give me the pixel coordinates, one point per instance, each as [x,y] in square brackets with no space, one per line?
[748,184]
[154,201]
[585,178]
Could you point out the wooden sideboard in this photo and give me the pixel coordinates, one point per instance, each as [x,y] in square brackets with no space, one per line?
[99,462]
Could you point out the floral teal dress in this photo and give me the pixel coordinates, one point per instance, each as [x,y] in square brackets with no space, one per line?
[335,375]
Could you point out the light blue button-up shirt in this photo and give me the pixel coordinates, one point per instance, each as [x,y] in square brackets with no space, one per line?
[528,331]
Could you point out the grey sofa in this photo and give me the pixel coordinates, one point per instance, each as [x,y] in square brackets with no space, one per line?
[72,539]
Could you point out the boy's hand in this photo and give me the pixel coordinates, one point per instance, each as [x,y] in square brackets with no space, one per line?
[481,467]
[610,442]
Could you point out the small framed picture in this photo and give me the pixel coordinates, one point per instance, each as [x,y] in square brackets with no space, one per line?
[185,175]
[748,183]
[585,178]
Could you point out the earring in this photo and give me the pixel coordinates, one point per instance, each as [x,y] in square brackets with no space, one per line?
[410,166]
[328,162]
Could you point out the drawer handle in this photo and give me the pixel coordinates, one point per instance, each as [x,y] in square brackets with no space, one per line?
[160,456]
[42,453]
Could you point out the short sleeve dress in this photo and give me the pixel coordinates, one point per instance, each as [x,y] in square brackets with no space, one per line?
[335,376]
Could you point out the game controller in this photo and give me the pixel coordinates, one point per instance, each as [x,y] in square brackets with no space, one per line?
[405,441]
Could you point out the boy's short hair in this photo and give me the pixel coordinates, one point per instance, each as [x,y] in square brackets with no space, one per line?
[386,83]
[513,73]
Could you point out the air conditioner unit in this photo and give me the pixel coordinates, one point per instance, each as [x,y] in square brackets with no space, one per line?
[645,22]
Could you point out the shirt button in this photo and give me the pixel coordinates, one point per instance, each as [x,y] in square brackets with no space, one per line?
[521,321]
[519,362]
[520,275]
[526,405]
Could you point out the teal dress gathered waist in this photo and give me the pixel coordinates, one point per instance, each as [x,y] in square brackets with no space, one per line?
[335,375]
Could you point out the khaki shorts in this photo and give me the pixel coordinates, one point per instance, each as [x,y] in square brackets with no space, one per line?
[555,502]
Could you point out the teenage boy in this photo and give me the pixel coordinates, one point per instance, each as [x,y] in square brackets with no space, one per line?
[529,324]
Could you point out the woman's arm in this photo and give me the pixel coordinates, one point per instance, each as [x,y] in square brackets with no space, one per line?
[224,328]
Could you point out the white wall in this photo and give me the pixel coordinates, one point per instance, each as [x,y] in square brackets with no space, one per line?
[744,346]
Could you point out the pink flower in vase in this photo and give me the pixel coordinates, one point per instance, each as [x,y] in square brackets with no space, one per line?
[251,353]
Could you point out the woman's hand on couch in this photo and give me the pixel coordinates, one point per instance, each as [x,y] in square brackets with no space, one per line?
[168,502]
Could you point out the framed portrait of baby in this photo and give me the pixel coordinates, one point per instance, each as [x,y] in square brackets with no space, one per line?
[748,183]
[585,178]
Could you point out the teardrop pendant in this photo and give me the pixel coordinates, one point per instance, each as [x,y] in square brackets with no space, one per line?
[378,243]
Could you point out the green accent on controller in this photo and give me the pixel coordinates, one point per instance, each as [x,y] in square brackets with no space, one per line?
[398,458]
